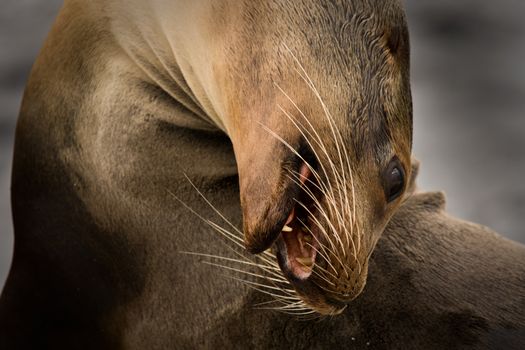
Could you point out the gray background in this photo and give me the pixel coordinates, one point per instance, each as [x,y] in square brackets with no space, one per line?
[468,84]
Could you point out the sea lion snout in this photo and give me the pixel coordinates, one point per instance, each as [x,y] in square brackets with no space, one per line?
[269,196]
[325,212]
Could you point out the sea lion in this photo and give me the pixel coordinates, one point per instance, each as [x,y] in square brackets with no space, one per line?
[133,109]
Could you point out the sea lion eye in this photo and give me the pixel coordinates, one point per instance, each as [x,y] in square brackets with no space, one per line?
[394,180]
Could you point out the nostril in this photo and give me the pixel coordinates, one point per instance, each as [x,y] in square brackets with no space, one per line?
[304,173]
[306,154]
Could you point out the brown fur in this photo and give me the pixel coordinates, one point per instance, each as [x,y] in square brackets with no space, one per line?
[120,109]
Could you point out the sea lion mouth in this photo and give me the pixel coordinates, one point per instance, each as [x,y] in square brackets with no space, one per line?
[299,235]
[300,245]
[317,256]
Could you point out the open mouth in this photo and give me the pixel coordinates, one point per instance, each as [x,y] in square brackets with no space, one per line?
[299,236]
[298,246]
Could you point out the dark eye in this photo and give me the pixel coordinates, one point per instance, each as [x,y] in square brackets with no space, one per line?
[394,180]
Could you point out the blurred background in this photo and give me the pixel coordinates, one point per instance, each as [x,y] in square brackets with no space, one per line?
[468,84]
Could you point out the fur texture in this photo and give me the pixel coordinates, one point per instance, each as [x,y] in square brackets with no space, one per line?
[108,135]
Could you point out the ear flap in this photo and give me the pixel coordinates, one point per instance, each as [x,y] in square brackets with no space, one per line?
[412,186]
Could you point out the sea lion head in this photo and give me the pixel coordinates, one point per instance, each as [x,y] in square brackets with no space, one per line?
[317,105]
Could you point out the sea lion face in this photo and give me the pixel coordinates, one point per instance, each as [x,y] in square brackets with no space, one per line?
[319,114]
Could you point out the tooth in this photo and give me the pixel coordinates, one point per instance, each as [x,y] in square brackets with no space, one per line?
[307,262]
[287,228]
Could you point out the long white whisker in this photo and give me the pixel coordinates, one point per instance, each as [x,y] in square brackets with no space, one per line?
[321,245]
[293,150]
[335,132]
[323,277]
[246,272]
[319,140]
[289,293]
[212,206]
[318,224]
[329,189]
[327,236]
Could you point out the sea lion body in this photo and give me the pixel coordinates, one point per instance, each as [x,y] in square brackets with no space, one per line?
[112,130]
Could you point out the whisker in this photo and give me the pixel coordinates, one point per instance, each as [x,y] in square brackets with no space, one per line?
[329,189]
[246,272]
[335,132]
[293,150]
[289,292]
[325,234]
[322,229]
[212,206]
[322,246]
[323,278]
[319,140]
[257,286]
[293,304]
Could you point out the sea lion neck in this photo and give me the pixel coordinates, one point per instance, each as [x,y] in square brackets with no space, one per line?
[173,53]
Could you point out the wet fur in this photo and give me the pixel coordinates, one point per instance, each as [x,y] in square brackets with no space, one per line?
[100,155]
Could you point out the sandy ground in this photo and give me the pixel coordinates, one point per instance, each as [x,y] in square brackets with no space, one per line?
[468,83]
